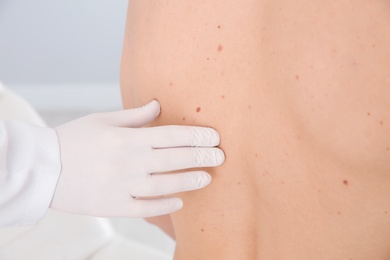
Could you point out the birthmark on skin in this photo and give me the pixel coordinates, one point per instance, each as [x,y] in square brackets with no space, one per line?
[219,48]
[388,149]
[368,114]
[386,212]
[338,212]
[208,58]
[345,182]
[198,109]
[202,230]
[297,77]
[256,155]
[219,27]
[381,123]
[184,119]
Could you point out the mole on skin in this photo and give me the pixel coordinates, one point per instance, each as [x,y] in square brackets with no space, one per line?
[219,48]
[198,109]
[345,182]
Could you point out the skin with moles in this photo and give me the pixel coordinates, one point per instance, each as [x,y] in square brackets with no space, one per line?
[300,94]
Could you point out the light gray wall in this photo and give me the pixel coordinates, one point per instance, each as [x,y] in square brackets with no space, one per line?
[59,42]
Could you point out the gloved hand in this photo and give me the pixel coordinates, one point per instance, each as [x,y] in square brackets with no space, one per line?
[110,165]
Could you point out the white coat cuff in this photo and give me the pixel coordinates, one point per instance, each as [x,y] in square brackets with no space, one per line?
[32,169]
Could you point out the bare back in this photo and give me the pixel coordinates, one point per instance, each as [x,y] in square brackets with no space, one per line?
[300,93]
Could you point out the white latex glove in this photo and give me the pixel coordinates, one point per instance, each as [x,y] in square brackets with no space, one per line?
[110,165]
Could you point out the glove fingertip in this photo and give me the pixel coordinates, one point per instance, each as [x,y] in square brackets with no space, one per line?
[140,116]
[177,204]
[152,109]
[156,106]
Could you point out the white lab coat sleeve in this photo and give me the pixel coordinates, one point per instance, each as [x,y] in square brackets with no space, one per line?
[30,167]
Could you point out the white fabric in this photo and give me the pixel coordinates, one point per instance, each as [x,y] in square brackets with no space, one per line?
[73,237]
[29,170]
[14,107]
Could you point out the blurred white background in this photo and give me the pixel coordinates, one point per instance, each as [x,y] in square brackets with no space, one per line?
[64,58]
[63,55]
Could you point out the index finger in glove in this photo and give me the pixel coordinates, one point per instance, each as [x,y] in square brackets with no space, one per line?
[181,136]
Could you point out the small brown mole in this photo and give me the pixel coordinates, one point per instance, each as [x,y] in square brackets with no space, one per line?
[381,122]
[219,48]
[170,84]
[198,109]
[368,114]
[202,230]
[219,27]
[223,97]
[345,182]
[297,77]
[184,119]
